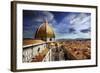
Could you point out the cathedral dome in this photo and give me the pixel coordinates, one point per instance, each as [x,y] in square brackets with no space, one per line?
[45,31]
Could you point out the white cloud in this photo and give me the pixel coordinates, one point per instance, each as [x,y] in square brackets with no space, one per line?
[78,22]
[42,16]
[48,15]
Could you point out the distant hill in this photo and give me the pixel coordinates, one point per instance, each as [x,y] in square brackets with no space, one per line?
[73,39]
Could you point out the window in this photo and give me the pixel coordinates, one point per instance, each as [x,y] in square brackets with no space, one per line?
[50,39]
[38,49]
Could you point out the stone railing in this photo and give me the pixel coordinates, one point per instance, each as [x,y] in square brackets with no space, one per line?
[47,57]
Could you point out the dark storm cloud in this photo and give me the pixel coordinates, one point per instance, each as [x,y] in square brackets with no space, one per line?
[85,30]
[72,30]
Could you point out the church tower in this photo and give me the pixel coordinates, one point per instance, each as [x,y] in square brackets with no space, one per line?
[45,32]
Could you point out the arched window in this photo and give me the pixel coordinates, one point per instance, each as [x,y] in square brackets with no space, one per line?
[50,39]
[38,49]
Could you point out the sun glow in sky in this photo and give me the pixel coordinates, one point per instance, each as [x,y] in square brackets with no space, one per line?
[66,25]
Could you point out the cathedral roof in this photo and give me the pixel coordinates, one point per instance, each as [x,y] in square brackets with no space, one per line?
[32,42]
[44,31]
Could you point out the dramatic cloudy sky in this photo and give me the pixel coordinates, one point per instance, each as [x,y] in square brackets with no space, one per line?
[66,25]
